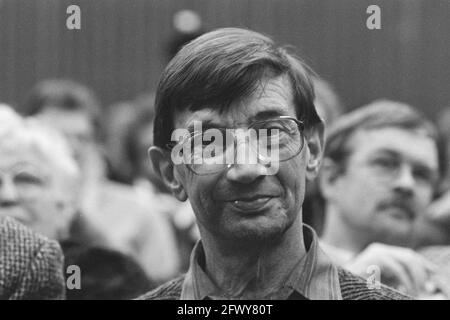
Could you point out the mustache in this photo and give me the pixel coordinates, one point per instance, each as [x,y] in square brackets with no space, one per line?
[401,203]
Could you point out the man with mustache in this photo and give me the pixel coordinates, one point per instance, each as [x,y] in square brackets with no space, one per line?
[382,165]
[253,242]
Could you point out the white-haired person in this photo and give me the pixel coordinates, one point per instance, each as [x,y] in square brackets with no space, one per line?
[39,177]
[124,222]
[39,186]
[31,265]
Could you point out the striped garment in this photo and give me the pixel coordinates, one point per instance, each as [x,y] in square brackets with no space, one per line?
[31,266]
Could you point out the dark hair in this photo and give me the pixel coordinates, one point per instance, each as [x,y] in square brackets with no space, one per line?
[379,114]
[64,94]
[225,66]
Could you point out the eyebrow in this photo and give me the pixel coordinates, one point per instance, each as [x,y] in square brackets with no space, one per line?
[22,167]
[263,115]
[206,124]
[419,164]
[387,151]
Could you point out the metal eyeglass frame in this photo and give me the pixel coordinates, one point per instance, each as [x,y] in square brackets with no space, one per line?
[300,125]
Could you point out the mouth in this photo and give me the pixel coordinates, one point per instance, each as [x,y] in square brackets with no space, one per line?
[250,204]
[400,211]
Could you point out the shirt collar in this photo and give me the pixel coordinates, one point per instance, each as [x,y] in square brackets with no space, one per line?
[313,277]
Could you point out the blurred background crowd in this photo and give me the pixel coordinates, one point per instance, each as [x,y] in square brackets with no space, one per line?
[77,118]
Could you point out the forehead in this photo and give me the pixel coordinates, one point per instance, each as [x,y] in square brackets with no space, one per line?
[414,145]
[273,97]
[24,159]
[67,121]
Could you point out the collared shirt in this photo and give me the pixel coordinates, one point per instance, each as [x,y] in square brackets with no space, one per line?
[313,276]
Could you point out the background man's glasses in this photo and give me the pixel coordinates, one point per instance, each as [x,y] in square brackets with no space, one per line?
[264,141]
[389,169]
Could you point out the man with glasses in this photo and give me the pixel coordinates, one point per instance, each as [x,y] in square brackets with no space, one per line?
[382,165]
[244,171]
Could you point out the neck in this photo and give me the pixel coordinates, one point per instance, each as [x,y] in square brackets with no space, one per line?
[253,271]
[338,233]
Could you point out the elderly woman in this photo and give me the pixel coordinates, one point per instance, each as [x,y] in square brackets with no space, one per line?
[31,266]
[38,176]
[39,180]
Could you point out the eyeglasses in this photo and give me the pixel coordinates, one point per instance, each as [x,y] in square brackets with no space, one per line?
[390,168]
[263,141]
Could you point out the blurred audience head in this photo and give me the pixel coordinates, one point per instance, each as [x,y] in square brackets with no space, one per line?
[382,165]
[139,139]
[130,134]
[38,175]
[327,102]
[443,123]
[329,107]
[120,117]
[69,107]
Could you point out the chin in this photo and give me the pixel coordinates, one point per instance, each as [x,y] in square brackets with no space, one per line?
[257,230]
[396,232]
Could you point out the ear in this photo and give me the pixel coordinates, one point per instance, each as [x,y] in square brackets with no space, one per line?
[315,143]
[329,173]
[166,170]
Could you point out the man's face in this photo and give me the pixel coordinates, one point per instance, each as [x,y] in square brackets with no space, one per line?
[76,126]
[29,192]
[243,202]
[388,181]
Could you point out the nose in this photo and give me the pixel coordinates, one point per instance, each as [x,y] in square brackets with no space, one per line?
[246,173]
[246,169]
[405,182]
[8,193]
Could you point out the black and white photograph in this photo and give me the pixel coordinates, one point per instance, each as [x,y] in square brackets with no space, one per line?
[224,150]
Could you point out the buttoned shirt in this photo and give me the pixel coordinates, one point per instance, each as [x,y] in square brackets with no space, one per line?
[313,276]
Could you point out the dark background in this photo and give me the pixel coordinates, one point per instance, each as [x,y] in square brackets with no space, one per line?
[121,47]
